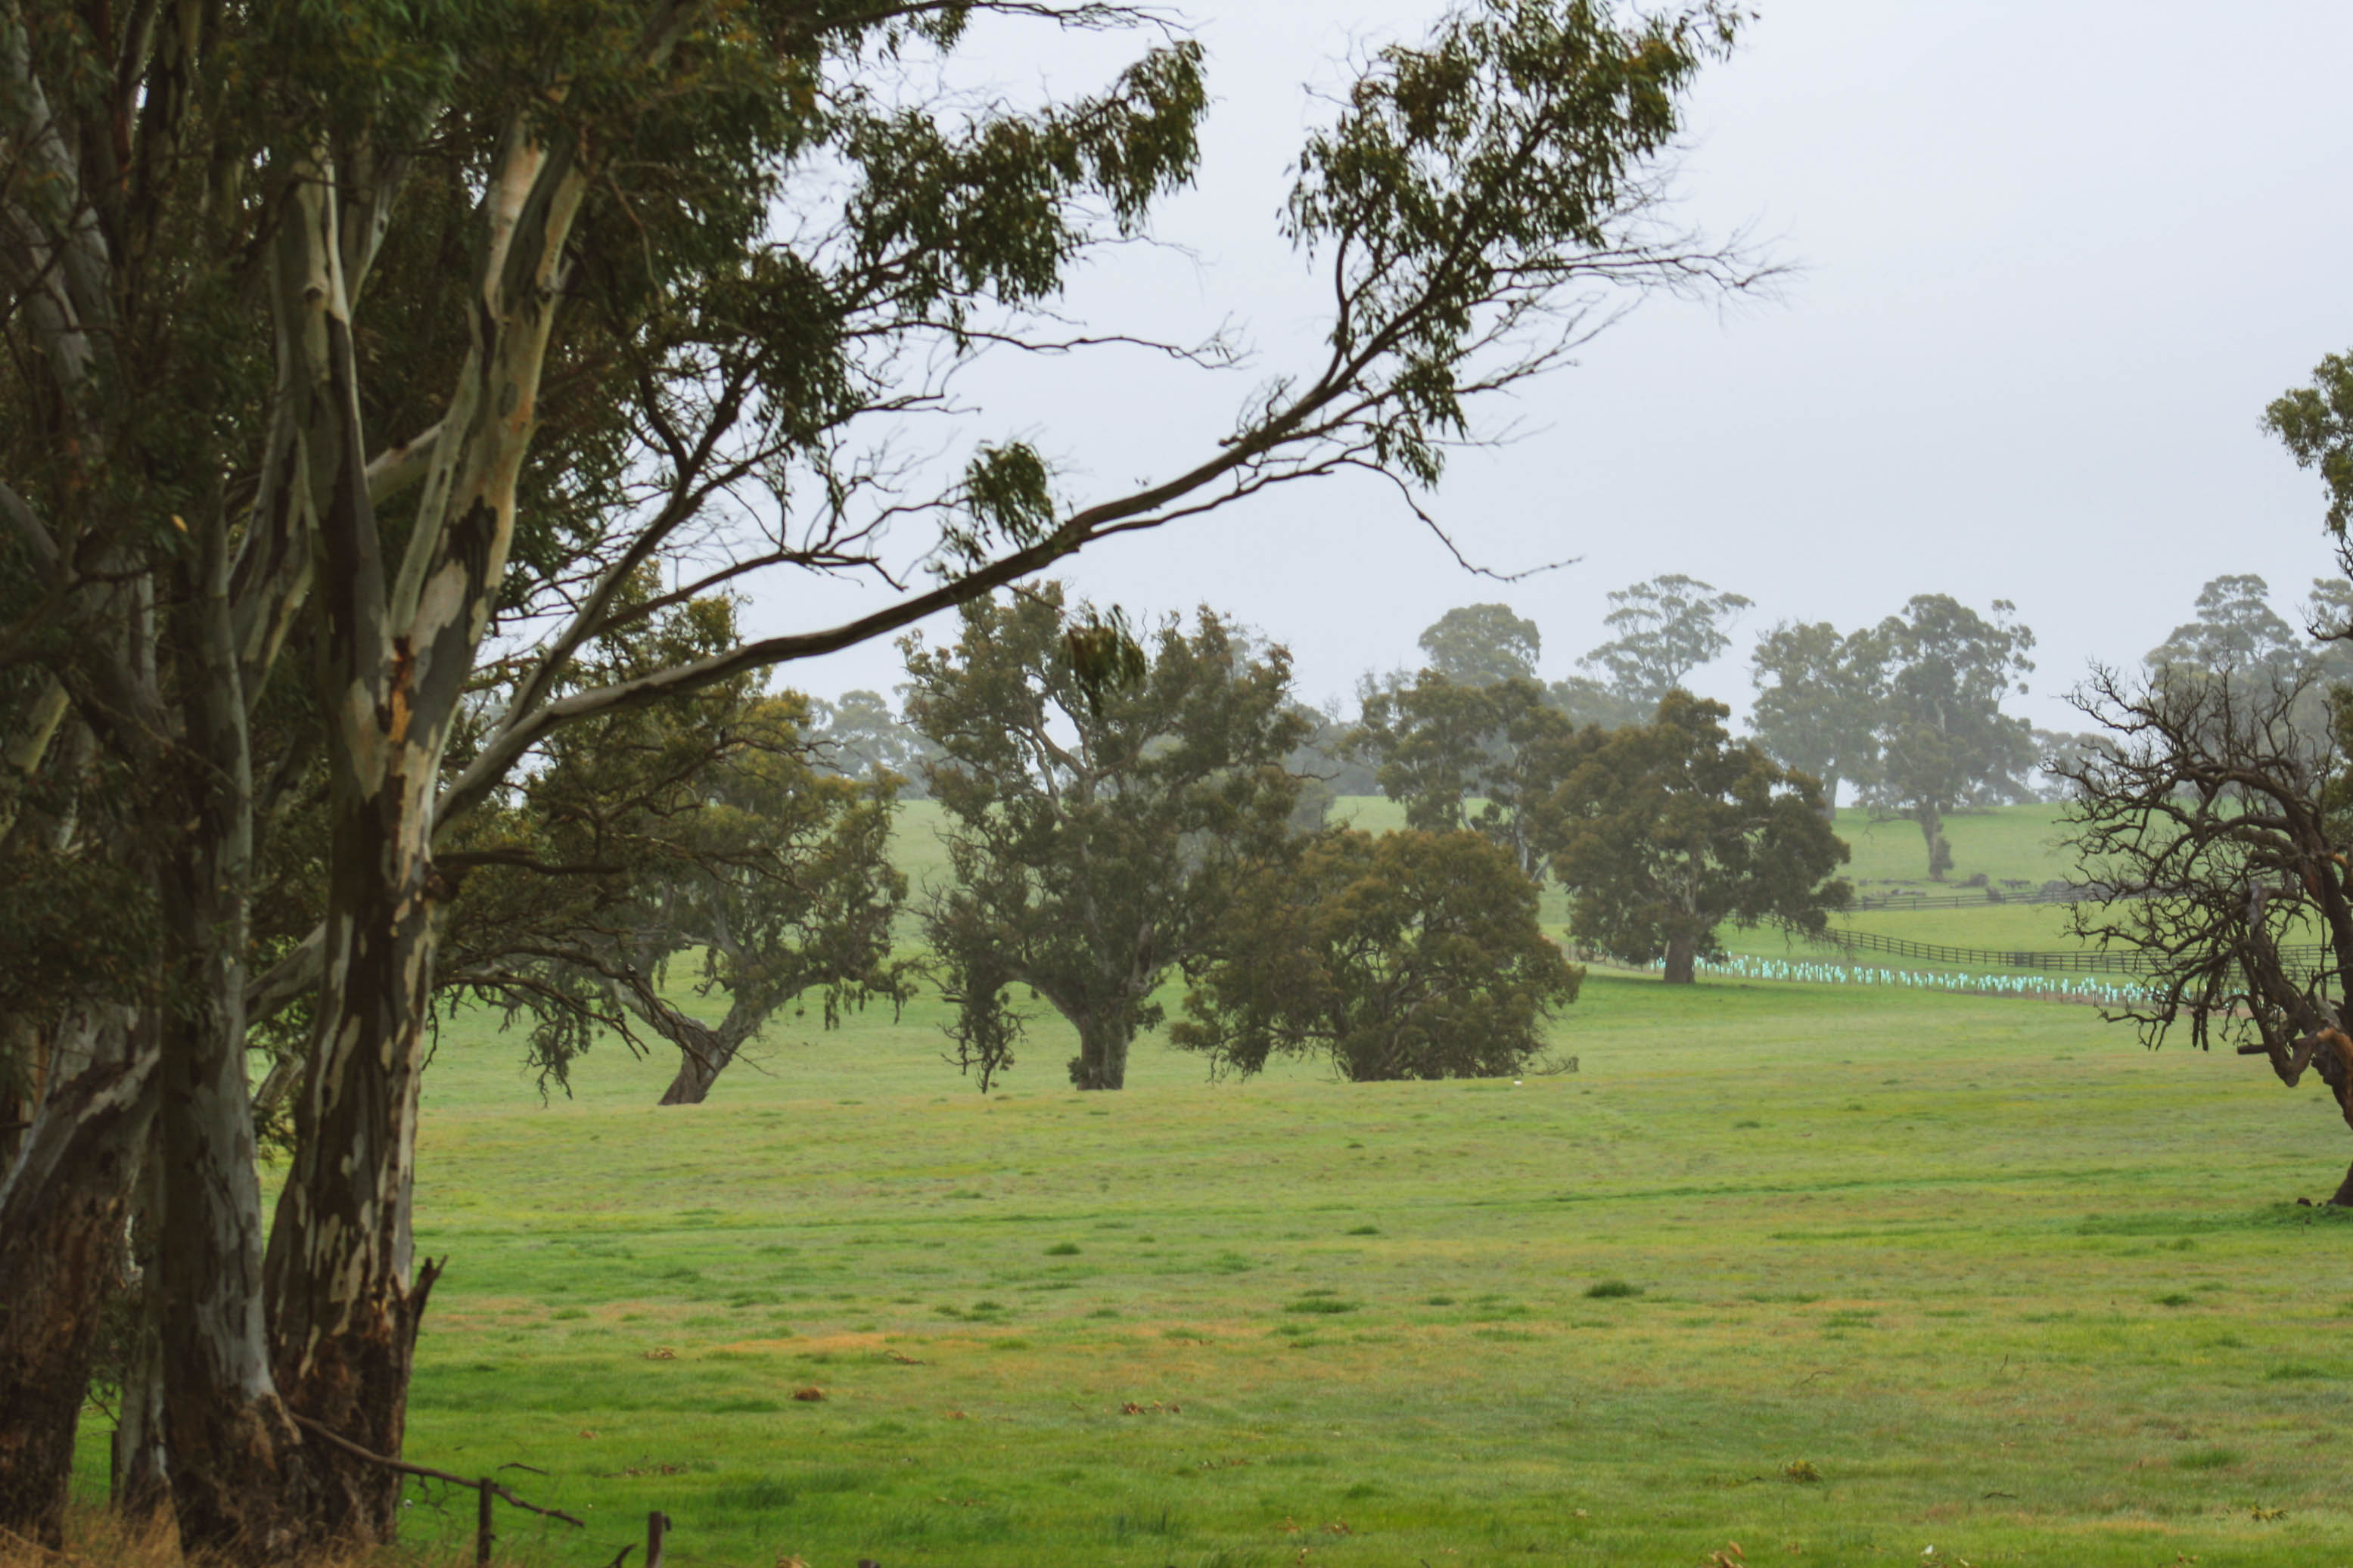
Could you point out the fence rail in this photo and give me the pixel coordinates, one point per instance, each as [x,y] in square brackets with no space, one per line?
[1987,897]
[2080,961]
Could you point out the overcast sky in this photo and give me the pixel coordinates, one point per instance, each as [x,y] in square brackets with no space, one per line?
[2056,256]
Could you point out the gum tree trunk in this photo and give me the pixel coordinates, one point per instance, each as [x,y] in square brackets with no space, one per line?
[62,1211]
[704,1053]
[346,1299]
[1682,960]
[139,1482]
[240,1480]
[1932,834]
[1102,1061]
[395,649]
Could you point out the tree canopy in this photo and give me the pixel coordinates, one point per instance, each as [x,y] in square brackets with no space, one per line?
[1478,645]
[1662,831]
[2235,632]
[1666,628]
[1096,828]
[858,735]
[1468,757]
[1819,694]
[1944,739]
[1400,955]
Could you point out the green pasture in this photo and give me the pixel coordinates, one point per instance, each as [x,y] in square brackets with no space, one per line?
[1838,1274]
[2011,1287]
[2017,843]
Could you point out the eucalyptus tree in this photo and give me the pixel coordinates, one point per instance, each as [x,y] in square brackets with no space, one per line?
[702,832]
[1662,831]
[1469,758]
[859,736]
[2315,423]
[1097,820]
[2217,823]
[2214,826]
[2235,632]
[1474,645]
[351,347]
[1819,695]
[1399,955]
[1944,741]
[1666,628]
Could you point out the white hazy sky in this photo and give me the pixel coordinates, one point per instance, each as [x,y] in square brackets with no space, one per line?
[2057,255]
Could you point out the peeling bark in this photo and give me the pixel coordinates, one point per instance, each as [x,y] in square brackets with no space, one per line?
[394,655]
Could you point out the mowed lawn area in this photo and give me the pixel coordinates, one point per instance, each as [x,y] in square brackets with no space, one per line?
[2006,1285]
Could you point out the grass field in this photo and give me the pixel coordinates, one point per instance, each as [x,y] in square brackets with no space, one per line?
[2015,842]
[1839,1276]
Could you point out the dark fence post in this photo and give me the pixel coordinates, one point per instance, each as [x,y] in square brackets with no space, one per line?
[482,1537]
[656,1526]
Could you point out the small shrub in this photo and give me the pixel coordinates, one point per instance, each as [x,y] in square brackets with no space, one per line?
[1802,1472]
[2176,1299]
[1064,1249]
[1326,1305]
[1366,1230]
[1611,1290]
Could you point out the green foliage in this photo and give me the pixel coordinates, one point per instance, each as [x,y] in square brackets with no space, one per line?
[2315,423]
[1819,695]
[1585,701]
[1469,178]
[1666,628]
[699,828]
[1439,745]
[2237,637]
[1944,741]
[1477,645]
[1095,826]
[1662,831]
[2235,632]
[1406,955]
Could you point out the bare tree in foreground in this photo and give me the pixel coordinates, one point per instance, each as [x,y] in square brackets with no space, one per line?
[2216,831]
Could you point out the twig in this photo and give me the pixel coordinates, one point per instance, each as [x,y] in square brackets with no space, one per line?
[404,1467]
